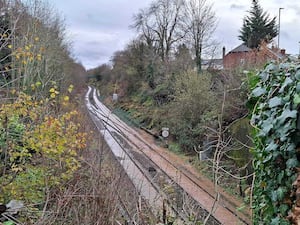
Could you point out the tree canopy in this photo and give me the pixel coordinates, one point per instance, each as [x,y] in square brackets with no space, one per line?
[258,27]
[167,24]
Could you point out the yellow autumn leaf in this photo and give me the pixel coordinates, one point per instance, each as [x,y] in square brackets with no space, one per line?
[16,168]
[52,95]
[39,57]
[52,90]
[70,89]
[66,98]
[9,46]
[38,83]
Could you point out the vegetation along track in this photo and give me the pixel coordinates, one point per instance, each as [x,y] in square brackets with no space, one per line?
[224,212]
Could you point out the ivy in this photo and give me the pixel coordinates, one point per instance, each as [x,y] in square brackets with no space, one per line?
[274,102]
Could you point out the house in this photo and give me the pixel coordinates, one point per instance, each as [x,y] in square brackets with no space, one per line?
[242,56]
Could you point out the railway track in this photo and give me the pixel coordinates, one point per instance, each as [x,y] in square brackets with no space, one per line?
[224,212]
[134,170]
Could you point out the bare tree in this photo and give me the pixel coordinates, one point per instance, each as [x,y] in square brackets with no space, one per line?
[32,43]
[160,25]
[142,25]
[200,22]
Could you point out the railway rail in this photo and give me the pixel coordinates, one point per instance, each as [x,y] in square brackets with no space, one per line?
[224,213]
[142,182]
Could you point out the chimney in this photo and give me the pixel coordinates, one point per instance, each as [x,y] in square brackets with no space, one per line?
[223,52]
[282,51]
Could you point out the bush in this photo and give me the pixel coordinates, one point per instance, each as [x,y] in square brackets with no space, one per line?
[37,144]
[194,108]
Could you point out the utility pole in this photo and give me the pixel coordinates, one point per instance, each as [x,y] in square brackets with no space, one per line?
[279,27]
[299,51]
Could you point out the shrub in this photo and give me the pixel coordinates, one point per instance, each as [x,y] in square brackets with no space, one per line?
[194,108]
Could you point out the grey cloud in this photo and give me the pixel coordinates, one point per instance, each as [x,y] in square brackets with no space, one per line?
[92,58]
[100,27]
[285,35]
[98,46]
[289,37]
[295,7]
[280,2]
[113,14]
[236,6]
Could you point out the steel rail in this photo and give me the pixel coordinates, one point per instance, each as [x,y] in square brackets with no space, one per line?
[121,125]
[95,111]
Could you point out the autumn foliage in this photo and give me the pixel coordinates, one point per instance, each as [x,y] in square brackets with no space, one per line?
[38,143]
[41,132]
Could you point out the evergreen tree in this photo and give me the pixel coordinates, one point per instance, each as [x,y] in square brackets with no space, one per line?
[257,27]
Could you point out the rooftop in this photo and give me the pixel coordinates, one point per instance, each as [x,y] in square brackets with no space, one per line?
[241,48]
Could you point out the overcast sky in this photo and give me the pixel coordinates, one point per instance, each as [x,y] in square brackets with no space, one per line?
[98,28]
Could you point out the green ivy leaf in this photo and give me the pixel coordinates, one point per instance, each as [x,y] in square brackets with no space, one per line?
[286,99]
[286,83]
[283,129]
[298,87]
[271,67]
[292,163]
[276,101]
[296,99]
[264,76]
[297,75]
[287,113]
[274,196]
[280,176]
[275,221]
[280,193]
[266,127]
[259,91]
[283,208]
[271,147]
[268,158]
[291,147]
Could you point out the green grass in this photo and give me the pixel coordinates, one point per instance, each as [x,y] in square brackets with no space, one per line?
[125,116]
